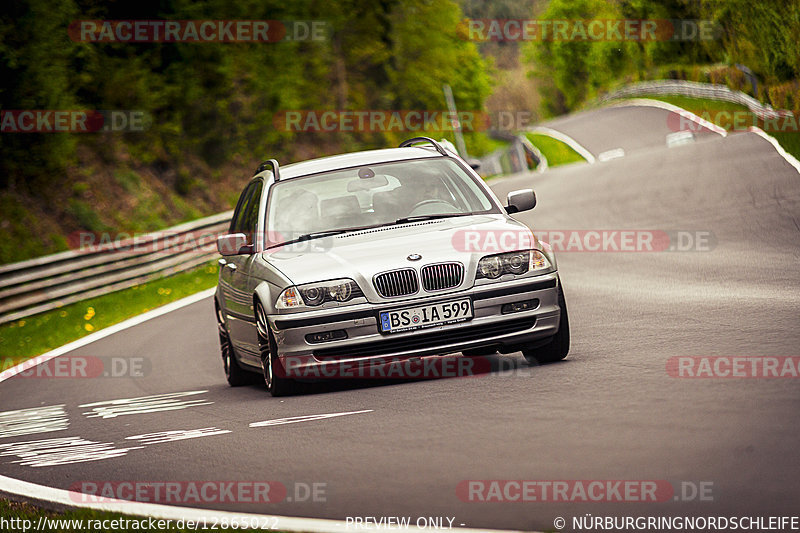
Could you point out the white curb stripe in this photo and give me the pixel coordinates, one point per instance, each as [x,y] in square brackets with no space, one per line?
[713,127]
[170,512]
[646,102]
[566,139]
[774,142]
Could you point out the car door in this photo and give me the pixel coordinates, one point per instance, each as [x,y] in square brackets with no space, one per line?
[241,320]
[228,264]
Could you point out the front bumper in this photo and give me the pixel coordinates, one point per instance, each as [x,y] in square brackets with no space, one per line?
[366,345]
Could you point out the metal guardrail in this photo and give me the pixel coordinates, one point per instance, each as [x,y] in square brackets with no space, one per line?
[696,90]
[513,158]
[52,281]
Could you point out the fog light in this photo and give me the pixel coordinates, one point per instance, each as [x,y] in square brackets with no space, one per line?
[516,307]
[326,336]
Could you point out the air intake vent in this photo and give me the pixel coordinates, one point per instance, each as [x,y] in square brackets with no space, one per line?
[442,276]
[397,283]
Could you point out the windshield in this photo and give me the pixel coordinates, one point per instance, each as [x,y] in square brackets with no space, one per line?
[369,196]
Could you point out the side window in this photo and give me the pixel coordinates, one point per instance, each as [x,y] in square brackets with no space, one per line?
[250,224]
[240,214]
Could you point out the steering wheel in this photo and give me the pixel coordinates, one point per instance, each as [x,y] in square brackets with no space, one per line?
[431,202]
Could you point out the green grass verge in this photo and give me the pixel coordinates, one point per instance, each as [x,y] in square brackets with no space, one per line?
[37,334]
[713,111]
[15,514]
[556,152]
[699,105]
[790,142]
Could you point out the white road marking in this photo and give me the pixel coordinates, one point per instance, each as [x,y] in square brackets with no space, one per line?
[172,436]
[679,138]
[608,155]
[146,404]
[566,139]
[63,451]
[646,102]
[306,418]
[774,142]
[34,420]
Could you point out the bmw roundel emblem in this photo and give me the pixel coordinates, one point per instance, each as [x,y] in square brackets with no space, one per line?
[414,257]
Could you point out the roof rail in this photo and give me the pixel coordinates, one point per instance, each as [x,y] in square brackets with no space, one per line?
[416,140]
[269,164]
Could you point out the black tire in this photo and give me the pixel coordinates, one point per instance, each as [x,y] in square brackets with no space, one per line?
[558,347]
[275,378]
[233,372]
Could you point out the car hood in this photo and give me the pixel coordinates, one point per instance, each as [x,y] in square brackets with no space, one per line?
[363,254]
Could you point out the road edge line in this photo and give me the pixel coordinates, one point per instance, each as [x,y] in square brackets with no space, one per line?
[778,148]
[174,513]
[566,139]
[647,102]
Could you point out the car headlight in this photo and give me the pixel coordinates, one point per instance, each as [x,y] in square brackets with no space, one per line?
[494,266]
[315,294]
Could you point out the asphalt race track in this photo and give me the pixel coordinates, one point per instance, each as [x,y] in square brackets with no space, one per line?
[611,411]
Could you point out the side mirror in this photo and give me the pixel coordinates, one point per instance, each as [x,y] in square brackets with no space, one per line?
[522,200]
[474,163]
[233,244]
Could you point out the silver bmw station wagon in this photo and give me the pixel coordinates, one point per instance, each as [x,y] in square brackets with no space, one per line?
[370,258]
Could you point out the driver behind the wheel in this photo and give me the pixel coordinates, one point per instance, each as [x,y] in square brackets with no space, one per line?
[420,189]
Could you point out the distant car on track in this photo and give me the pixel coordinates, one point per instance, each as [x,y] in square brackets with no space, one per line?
[380,256]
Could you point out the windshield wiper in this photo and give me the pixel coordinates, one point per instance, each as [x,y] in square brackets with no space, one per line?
[331,232]
[320,234]
[417,218]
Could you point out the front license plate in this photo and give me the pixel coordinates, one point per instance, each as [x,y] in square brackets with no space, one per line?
[425,316]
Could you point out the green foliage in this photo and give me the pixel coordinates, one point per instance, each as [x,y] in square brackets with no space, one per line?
[16,237]
[35,74]
[761,35]
[214,105]
[85,215]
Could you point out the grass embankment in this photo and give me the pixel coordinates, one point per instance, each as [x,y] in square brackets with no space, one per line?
[37,334]
[699,106]
[721,113]
[556,152]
